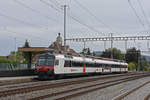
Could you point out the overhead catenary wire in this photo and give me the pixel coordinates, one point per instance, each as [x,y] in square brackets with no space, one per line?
[92,14]
[136,14]
[40,27]
[55,2]
[144,14]
[75,19]
[35,10]
[23,35]
[50,5]
[89,27]
[16,20]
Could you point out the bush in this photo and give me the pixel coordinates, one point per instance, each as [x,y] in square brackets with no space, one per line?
[146,69]
[7,61]
[132,66]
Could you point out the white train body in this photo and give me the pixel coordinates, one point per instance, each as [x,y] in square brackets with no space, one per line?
[65,64]
[68,65]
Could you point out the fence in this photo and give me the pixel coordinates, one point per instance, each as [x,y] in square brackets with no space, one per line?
[10,66]
[12,70]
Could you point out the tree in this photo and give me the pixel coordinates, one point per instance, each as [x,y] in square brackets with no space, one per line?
[18,56]
[86,51]
[144,64]
[146,69]
[116,54]
[94,54]
[132,55]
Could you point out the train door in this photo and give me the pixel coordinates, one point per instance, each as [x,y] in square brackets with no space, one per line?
[59,66]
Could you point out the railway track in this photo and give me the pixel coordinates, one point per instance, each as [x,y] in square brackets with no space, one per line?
[70,93]
[19,81]
[122,96]
[147,97]
[33,87]
[29,89]
[35,83]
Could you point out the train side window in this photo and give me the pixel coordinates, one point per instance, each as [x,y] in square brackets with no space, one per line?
[91,64]
[57,62]
[114,66]
[73,64]
[117,66]
[67,64]
[77,64]
[106,66]
[96,64]
[80,64]
[87,64]
[100,65]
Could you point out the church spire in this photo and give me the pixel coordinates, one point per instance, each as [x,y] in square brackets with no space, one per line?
[59,39]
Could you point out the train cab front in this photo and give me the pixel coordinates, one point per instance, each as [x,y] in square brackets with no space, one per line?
[45,65]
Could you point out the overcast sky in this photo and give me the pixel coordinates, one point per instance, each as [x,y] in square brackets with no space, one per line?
[40,21]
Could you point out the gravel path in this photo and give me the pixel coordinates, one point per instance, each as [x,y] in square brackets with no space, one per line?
[113,91]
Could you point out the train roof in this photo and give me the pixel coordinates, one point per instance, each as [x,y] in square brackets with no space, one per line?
[90,59]
[87,58]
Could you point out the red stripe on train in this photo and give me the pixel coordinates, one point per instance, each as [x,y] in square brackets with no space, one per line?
[84,69]
[44,68]
[102,70]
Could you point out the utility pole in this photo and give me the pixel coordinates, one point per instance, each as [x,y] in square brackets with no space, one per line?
[139,57]
[65,6]
[126,45]
[148,46]
[104,45]
[111,34]
[84,45]
[139,60]
[15,49]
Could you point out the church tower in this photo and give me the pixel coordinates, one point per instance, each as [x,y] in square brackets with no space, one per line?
[59,39]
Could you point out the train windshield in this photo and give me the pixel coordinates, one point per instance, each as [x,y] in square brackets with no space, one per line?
[45,61]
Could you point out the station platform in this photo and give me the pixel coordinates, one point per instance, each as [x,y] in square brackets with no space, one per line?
[16,80]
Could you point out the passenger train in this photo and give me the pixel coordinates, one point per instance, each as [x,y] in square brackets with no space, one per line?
[48,65]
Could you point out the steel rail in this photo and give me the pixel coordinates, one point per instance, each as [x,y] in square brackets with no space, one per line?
[147,97]
[120,97]
[101,86]
[55,85]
